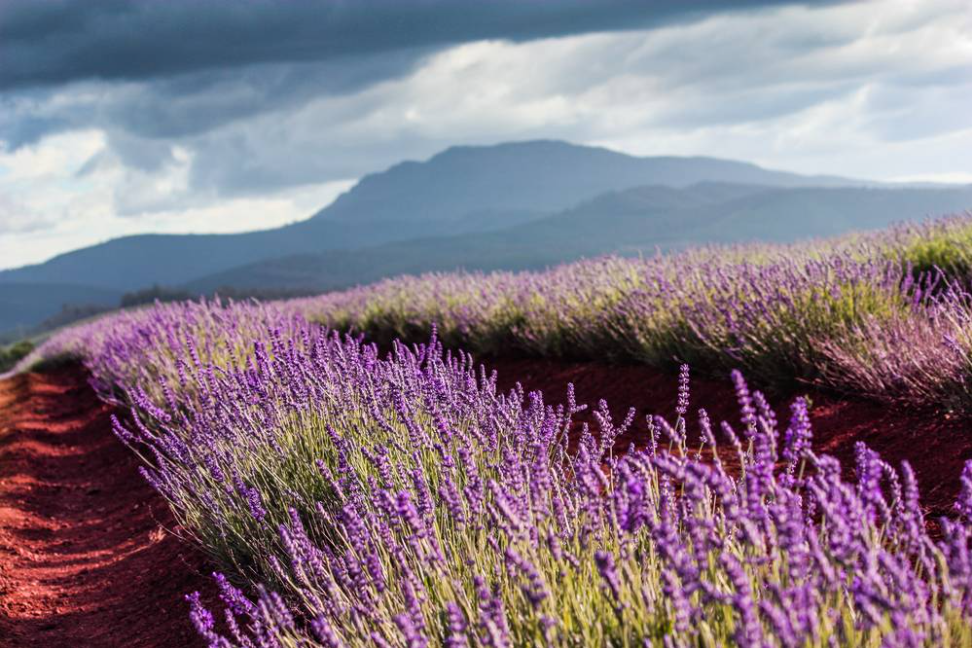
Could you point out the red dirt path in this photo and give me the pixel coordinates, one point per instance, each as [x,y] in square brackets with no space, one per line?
[85,556]
[936,446]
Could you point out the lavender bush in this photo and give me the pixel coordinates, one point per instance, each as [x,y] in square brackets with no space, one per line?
[920,358]
[353,499]
[771,311]
[870,314]
[482,529]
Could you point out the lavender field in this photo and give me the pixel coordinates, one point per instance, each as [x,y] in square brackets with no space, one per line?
[359,479]
[884,315]
[503,324]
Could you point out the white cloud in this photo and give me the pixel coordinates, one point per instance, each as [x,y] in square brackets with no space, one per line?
[806,89]
[96,223]
[941,178]
[50,206]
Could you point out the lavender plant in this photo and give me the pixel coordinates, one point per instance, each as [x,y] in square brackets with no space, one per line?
[353,499]
[404,502]
[781,313]
[920,358]
[350,498]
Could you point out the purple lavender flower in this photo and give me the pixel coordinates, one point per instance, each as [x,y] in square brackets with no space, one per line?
[798,435]
[457,627]
[428,474]
[605,567]
[964,503]
[748,417]
[683,391]
[413,637]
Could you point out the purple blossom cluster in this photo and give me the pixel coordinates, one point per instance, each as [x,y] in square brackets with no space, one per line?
[804,312]
[919,357]
[480,533]
[355,499]
[884,315]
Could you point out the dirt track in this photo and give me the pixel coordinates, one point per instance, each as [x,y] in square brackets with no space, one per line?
[85,558]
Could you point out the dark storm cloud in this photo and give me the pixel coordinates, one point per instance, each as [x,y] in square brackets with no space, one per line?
[17,129]
[45,42]
[197,102]
[188,104]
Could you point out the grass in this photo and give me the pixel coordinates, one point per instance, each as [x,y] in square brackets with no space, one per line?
[14,353]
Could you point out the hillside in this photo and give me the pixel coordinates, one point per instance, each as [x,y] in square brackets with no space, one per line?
[871,371]
[135,262]
[461,190]
[642,219]
[22,305]
[515,205]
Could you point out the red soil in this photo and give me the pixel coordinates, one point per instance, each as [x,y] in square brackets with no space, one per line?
[86,556]
[935,445]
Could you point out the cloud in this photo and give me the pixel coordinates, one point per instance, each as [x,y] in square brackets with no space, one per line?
[182,67]
[858,80]
[874,90]
[57,41]
[70,190]
[17,218]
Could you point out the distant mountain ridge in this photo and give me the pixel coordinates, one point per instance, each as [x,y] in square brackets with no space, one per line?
[638,220]
[514,205]
[462,190]
[546,176]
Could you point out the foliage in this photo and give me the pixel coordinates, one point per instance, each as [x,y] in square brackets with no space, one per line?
[352,499]
[11,355]
[780,313]
[355,498]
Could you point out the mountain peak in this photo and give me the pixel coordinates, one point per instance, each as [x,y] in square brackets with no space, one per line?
[527,176]
[516,146]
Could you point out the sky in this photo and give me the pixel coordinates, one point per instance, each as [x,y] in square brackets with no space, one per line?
[122,117]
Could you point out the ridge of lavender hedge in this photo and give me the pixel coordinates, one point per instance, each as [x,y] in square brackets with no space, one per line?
[351,499]
[884,315]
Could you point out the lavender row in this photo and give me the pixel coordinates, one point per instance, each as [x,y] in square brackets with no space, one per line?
[884,315]
[351,499]
[354,499]
[804,312]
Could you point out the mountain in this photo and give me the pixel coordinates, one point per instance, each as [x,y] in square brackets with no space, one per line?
[516,205]
[23,305]
[134,262]
[460,191]
[544,176]
[636,220]
[640,219]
